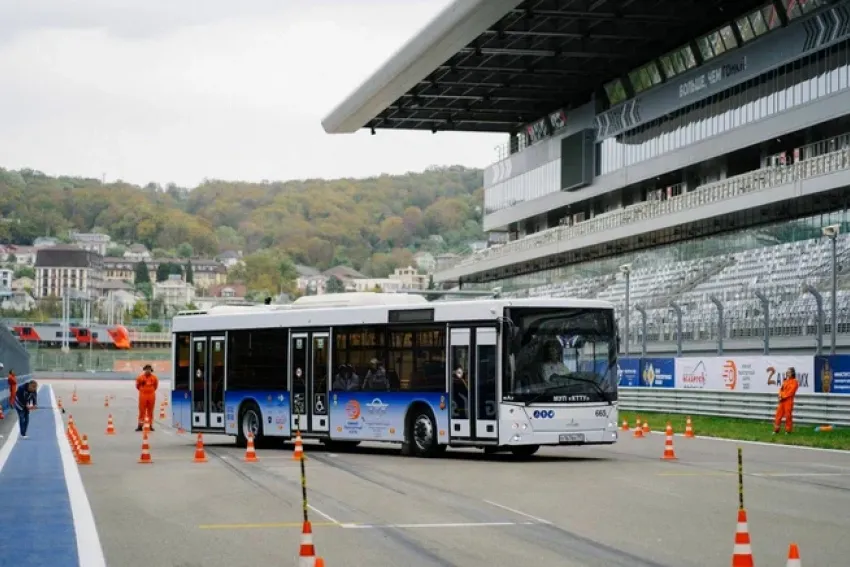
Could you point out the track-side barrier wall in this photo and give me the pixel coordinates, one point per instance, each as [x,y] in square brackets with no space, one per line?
[737,386]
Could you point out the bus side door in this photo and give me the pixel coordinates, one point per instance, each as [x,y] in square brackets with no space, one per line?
[472,383]
[309,379]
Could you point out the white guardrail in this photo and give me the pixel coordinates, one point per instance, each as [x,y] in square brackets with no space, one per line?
[817,409]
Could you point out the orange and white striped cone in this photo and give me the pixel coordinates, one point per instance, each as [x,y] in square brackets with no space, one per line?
[742,553]
[625,425]
[85,455]
[2,416]
[793,556]
[200,454]
[147,426]
[689,429]
[250,452]
[669,454]
[145,457]
[298,453]
[307,551]
[162,412]
[74,397]
[638,434]
[110,426]
[646,429]
[59,403]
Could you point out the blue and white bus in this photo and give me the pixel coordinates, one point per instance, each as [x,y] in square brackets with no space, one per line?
[496,374]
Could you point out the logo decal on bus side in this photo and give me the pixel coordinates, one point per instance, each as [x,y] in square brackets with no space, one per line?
[544,414]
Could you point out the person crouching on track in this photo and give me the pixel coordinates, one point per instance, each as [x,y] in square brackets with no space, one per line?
[147,384]
[785,407]
[26,398]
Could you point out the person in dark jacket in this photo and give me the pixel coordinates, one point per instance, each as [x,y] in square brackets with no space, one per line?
[26,398]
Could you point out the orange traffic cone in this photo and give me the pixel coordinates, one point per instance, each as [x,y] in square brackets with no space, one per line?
[742,554]
[319,562]
[793,557]
[669,455]
[200,455]
[110,427]
[625,425]
[180,429]
[307,552]
[646,429]
[106,402]
[1,413]
[162,412]
[85,456]
[145,458]
[74,397]
[689,430]
[638,434]
[250,453]
[298,453]
[147,426]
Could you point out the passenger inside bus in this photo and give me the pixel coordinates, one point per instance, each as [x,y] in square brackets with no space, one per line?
[346,379]
[460,394]
[376,377]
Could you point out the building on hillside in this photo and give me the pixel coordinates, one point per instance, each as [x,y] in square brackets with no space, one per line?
[18,301]
[6,278]
[310,279]
[386,285]
[119,269]
[22,284]
[60,268]
[445,260]
[230,258]
[409,278]
[174,293]
[344,274]
[205,273]
[111,286]
[45,242]
[119,301]
[24,255]
[91,241]
[137,253]
[425,261]
[228,291]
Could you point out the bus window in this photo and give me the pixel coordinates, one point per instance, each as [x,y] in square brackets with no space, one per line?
[256,360]
[354,353]
[181,363]
[418,357]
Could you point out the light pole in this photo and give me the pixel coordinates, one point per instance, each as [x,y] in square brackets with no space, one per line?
[626,269]
[831,232]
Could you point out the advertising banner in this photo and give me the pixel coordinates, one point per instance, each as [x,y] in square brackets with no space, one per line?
[832,374]
[761,374]
[628,372]
[658,373]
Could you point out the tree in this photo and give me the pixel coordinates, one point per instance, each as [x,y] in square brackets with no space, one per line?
[190,275]
[334,285]
[142,274]
[140,310]
[11,258]
[185,250]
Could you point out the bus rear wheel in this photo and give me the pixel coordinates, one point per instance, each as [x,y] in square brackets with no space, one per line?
[524,450]
[423,434]
[249,423]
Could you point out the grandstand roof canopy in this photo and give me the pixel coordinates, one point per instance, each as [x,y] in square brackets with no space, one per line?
[495,65]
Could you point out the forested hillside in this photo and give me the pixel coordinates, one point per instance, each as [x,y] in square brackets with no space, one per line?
[371,224]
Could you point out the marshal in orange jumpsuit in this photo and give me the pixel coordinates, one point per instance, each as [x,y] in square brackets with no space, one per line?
[785,407]
[147,384]
[13,386]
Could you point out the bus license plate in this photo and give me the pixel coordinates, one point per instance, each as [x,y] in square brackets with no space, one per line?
[571,438]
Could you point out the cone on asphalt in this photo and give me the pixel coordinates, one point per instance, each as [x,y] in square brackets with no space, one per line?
[298,453]
[319,562]
[689,428]
[59,403]
[84,457]
[147,426]
[162,412]
[1,413]
[625,425]
[145,458]
[200,455]
[638,434]
[250,452]
[74,397]
[793,556]
[742,553]
[646,429]
[669,454]
[106,402]
[307,552]
[110,426]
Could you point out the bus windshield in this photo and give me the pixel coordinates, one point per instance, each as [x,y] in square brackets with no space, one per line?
[564,355]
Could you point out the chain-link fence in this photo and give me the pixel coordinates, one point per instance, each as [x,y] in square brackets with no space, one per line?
[95,360]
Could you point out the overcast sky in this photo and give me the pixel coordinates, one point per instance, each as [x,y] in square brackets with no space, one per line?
[182,90]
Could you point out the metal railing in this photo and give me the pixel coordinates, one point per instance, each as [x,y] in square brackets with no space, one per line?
[716,192]
[820,409]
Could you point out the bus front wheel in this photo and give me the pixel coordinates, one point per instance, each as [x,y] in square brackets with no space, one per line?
[423,434]
[250,422]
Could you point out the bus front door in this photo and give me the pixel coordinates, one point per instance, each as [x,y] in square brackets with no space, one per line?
[310,369]
[208,366]
[472,383]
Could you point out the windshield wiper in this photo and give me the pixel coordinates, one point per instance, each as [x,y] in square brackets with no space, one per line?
[572,376]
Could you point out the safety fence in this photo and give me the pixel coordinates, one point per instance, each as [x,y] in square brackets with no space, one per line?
[821,409]
[81,360]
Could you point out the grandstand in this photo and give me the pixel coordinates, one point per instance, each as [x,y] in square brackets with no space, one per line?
[704,143]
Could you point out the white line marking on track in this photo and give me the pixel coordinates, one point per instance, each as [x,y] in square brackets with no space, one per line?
[763,444]
[322,514]
[436,525]
[792,474]
[518,512]
[89,551]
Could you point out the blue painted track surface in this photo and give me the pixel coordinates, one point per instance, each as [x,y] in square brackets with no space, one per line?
[35,510]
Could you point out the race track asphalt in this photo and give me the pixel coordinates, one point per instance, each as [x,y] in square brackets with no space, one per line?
[595,507]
